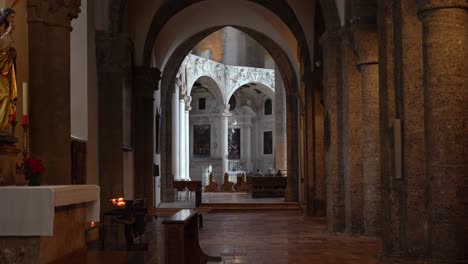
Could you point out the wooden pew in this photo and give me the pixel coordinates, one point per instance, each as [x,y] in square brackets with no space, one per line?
[181,239]
[267,186]
[193,186]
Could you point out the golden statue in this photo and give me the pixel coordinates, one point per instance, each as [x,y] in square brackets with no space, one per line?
[8,88]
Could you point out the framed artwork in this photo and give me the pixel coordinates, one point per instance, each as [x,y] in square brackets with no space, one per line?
[234,143]
[201,140]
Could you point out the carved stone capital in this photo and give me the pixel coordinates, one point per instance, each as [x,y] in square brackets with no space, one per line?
[113,52]
[427,6]
[57,13]
[364,38]
[147,78]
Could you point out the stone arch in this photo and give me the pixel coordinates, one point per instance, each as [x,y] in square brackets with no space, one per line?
[214,87]
[289,78]
[265,88]
[281,8]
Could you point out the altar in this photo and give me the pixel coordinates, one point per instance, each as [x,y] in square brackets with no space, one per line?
[42,224]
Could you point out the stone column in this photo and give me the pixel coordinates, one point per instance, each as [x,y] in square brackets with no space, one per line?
[293,139]
[352,138]
[111,50]
[334,186]
[280,144]
[187,141]
[445,82]
[145,83]
[49,77]
[366,45]
[224,139]
[182,155]
[175,135]
[248,152]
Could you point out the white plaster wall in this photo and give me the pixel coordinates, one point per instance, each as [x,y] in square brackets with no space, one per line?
[79,74]
[83,85]
[92,155]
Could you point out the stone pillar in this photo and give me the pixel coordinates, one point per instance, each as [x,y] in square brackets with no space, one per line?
[224,140]
[111,50]
[404,225]
[445,82]
[352,138]
[293,139]
[280,143]
[366,45]
[49,77]
[187,141]
[145,83]
[175,135]
[334,186]
[182,155]
[248,143]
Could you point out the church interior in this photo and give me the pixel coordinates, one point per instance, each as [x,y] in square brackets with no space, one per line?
[234,131]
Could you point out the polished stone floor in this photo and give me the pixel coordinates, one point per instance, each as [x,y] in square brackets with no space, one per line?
[250,237]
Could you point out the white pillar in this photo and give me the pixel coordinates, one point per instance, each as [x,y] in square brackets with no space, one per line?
[175,135]
[248,152]
[182,129]
[187,143]
[224,141]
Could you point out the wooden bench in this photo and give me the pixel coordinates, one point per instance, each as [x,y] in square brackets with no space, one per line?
[267,186]
[181,239]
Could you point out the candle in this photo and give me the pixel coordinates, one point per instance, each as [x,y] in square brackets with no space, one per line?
[25,99]
[25,119]
[13,116]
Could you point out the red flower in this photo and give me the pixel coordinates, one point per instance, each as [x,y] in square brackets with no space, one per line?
[33,166]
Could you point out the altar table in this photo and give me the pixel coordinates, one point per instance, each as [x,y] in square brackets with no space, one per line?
[48,222]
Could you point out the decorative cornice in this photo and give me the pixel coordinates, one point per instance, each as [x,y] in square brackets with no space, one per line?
[57,13]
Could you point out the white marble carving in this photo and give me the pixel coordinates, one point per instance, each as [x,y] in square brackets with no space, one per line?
[228,78]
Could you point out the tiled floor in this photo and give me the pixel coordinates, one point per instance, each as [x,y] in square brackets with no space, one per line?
[254,237]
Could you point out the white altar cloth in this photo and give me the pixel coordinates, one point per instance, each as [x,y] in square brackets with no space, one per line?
[30,210]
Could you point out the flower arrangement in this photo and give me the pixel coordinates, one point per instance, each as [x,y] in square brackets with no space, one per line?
[33,168]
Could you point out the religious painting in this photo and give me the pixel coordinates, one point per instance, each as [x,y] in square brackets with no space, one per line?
[234,143]
[267,142]
[201,140]
[158,133]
